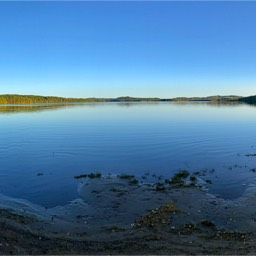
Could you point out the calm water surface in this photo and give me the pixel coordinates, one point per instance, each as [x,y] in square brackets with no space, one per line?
[62,141]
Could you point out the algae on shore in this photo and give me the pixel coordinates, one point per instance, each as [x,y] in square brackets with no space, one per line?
[156,216]
[115,217]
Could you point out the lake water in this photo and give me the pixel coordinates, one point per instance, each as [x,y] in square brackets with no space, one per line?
[61,141]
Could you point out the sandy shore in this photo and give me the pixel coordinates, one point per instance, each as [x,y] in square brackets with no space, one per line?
[115,216]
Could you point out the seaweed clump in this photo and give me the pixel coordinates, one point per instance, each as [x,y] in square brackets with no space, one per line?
[157,216]
[160,187]
[90,175]
[178,178]
[248,155]
[131,178]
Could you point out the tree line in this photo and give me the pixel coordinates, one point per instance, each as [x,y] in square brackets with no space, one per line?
[34,99]
[249,100]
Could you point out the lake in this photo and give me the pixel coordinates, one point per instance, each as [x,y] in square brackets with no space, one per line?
[43,147]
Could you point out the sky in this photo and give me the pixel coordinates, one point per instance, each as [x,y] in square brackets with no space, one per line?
[144,49]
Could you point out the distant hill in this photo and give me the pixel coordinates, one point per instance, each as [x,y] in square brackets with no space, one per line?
[128,98]
[34,99]
[210,98]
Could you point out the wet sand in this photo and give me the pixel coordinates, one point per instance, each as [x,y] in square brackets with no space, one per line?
[115,216]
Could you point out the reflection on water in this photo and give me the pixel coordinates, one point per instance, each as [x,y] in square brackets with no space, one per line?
[44,146]
[8,108]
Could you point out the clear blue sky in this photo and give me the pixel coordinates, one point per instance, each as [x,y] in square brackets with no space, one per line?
[110,49]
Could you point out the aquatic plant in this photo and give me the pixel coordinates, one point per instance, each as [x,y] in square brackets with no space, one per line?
[157,216]
[248,155]
[160,187]
[131,178]
[182,174]
[193,178]
[90,175]
[133,181]
[94,175]
[178,178]
[126,176]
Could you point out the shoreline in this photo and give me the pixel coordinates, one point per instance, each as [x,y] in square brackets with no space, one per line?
[114,216]
[31,99]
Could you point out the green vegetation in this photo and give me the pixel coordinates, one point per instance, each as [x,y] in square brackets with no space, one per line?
[125,176]
[193,178]
[133,181]
[249,100]
[179,177]
[94,175]
[81,176]
[156,217]
[131,178]
[248,155]
[34,99]
[128,98]
[90,175]
[160,187]
[217,98]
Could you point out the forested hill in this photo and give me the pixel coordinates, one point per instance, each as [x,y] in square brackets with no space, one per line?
[216,98]
[250,99]
[33,99]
